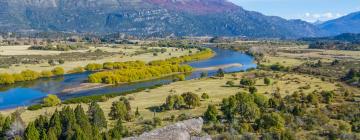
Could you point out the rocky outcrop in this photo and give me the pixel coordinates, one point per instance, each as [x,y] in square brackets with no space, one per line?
[185,130]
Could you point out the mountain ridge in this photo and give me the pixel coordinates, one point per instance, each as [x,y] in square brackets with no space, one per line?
[148,18]
[346,24]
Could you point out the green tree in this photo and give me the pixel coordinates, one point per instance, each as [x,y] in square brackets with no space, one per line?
[271,121]
[203,74]
[267,81]
[82,120]
[205,96]
[211,114]
[328,96]
[247,82]
[137,113]
[51,100]
[31,133]
[230,83]
[174,102]
[252,90]
[228,107]
[118,110]
[96,115]
[220,73]
[58,71]
[118,131]
[191,99]
[261,100]
[55,126]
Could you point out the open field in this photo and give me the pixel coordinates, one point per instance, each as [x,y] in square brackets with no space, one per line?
[216,88]
[118,54]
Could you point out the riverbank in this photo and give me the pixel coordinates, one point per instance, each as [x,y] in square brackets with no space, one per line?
[219,67]
[215,88]
[119,54]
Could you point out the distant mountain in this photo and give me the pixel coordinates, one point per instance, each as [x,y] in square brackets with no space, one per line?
[148,18]
[346,41]
[346,24]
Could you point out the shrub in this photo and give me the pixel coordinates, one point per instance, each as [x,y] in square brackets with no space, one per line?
[46,74]
[6,79]
[58,71]
[51,100]
[205,96]
[191,99]
[230,83]
[35,107]
[247,82]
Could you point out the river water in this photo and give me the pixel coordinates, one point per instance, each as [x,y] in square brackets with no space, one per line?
[32,92]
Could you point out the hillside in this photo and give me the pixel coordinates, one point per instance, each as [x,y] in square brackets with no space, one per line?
[147,18]
[346,24]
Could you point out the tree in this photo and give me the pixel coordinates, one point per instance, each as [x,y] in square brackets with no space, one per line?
[82,120]
[174,102]
[261,100]
[58,71]
[328,96]
[252,90]
[118,110]
[46,74]
[228,107]
[51,100]
[6,79]
[230,83]
[118,131]
[96,115]
[271,121]
[220,73]
[191,99]
[55,126]
[137,113]
[203,75]
[31,133]
[247,82]
[205,96]
[267,81]
[211,114]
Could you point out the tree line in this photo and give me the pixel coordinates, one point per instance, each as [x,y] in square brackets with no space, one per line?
[67,124]
[254,115]
[28,75]
[121,72]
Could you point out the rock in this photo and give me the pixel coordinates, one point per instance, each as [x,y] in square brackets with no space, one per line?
[185,130]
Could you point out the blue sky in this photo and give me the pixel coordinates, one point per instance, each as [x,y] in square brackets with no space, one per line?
[309,10]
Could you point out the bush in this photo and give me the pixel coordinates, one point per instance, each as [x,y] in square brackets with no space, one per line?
[180,77]
[58,71]
[230,83]
[205,96]
[51,100]
[77,70]
[247,82]
[46,74]
[35,107]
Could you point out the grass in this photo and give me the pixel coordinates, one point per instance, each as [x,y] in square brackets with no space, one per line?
[288,83]
[69,65]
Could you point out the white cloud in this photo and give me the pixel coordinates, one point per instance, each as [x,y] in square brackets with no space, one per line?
[313,17]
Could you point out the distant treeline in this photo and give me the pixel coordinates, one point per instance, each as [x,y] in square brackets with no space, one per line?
[341,42]
[28,75]
[58,47]
[122,72]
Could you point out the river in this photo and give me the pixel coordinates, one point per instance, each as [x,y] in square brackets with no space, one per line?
[28,93]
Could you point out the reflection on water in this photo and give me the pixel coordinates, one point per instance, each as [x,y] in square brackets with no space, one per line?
[27,93]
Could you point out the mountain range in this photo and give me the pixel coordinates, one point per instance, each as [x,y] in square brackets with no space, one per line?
[150,18]
[346,24]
